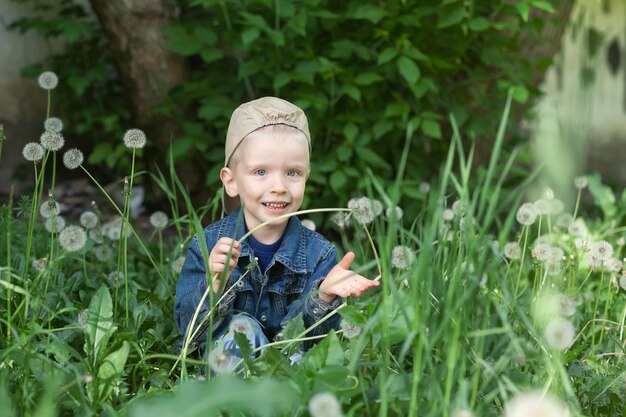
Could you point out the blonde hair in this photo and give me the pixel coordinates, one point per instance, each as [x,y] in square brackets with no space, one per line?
[280,131]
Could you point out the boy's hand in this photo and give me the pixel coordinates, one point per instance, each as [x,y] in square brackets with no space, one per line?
[219,256]
[341,282]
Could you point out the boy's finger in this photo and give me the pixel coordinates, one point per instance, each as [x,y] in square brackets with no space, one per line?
[346,260]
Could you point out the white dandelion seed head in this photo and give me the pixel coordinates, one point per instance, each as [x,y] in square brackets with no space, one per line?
[48,80]
[159,220]
[113,228]
[542,252]
[51,140]
[556,255]
[83,316]
[542,206]
[134,139]
[622,282]
[49,208]
[377,206]
[553,268]
[526,214]
[396,212]
[340,219]
[448,215]
[39,264]
[559,333]
[577,228]
[96,235]
[59,224]
[33,152]
[53,124]
[350,330]
[402,257]
[221,362]
[588,295]
[621,241]
[102,253]
[613,265]
[458,207]
[462,412]
[115,278]
[324,404]
[73,158]
[547,193]
[556,206]
[362,210]
[177,264]
[580,182]
[424,187]
[309,224]
[564,220]
[73,238]
[582,245]
[464,219]
[512,250]
[242,325]
[568,305]
[88,219]
[602,251]
[535,404]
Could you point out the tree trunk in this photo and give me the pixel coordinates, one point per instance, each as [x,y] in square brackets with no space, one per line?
[147,68]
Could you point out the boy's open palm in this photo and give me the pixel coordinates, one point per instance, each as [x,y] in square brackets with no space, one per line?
[342,282]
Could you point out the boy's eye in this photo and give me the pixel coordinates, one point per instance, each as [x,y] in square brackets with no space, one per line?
[260,172]
[292,173]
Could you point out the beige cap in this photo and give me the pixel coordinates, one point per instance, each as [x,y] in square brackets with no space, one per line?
[254,115]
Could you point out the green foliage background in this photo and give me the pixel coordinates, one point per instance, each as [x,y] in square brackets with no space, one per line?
[360,69]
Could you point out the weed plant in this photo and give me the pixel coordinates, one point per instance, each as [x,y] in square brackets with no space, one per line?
[489,305]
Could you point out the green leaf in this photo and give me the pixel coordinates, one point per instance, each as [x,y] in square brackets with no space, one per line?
[602,195]
[367,78]
[544,5]
[524,10]
[431,128]
[211,55]
[344,152]
[369,12]
[520,94]
[353,92]
[244,347]
[99,321]
[249,35]
[205,35]
[479,24]
[372,158]
[350,130]
[451,15]
[408,69]
[335,356]
[387,55]
[281,79]
[337,180]
[111,369]
[78,84]
[179,40]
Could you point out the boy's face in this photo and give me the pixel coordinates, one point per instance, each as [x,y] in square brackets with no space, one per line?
[268,175]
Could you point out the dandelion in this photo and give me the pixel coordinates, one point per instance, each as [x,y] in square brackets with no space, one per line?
[424,187]
[577,228]
[602,251]
[33,152]
[102,253]
[88,219]
[396,212]
[114,278]
[621,241]
[113,228]
[542,206]
[548,194]
[559,333]
[159,220]
[564,220]
[83,316]
[49,208]
[362,210]
[53,124]
[542,252]
[134,139]
[73,238]
[448,215]
[458,207]
[177,264]
[48,80]
[535,403]
[613,265]
[308,223]
[221,362]
[568,306]
[241,325]
[324,404]
[39,264]
[95,235]
[402,257]
[462,412]
[512,250]
[556,206]
[59,224]
[580,182]
[350,330]
[526,214]
[340,219]
[51,140]
[73,158]
[377,206]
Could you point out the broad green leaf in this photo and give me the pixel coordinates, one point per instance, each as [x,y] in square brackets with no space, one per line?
[344,152]
[179,40]
[408,69]
[544,5]
[523,10]
[281,79]
[602,195]
[372,158]
[353,92]
[100,320]
[367,78]
[479,24]
[350,130]
[337,180]
[431,128]
[205,35]
[111,369]
[335,355]
[451,15]
[211,55]
[249,35]
[369,12]
[520,94]
[244,347]
[387,55]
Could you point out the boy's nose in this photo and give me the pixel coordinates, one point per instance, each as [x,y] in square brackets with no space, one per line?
[278,185]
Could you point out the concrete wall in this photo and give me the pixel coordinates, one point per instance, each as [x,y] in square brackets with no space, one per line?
[22,101]
[581,123]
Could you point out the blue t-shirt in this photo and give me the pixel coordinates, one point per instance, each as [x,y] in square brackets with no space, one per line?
[264,253]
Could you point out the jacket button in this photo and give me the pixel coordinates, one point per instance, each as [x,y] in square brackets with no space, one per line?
[316,310]
[263,317]
[240,284]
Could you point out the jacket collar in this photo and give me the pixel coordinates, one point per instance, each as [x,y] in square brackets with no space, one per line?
[292,251]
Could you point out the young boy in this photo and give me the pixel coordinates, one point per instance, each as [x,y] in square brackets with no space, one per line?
[282,269]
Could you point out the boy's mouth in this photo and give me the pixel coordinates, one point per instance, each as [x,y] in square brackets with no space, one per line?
[275,206]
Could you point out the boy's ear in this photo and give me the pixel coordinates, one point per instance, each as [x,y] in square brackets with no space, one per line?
[228,180]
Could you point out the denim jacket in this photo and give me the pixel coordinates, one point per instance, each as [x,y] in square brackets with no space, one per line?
[287,288]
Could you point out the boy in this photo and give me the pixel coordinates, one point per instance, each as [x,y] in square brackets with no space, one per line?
[282,269]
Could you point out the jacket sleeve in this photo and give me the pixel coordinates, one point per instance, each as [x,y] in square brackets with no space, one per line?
[312,307]
[192,285]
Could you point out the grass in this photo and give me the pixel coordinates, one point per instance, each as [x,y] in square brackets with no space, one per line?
[460,327]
